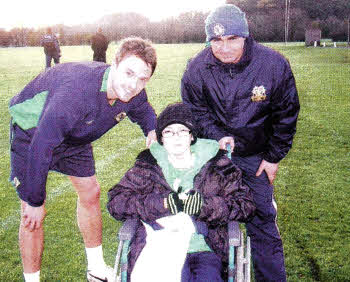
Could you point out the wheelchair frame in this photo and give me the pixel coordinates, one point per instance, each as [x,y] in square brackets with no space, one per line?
[239,253]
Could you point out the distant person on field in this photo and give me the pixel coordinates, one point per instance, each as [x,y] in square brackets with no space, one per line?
[99,45]
[54,120]
[51,47]
[243,94]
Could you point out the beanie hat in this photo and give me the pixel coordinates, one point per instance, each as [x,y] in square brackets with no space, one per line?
[176,113]
[226,20]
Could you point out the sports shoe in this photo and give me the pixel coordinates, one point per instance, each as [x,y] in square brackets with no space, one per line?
[107,277]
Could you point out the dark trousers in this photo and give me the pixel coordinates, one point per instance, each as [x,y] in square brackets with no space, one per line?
[49,57]
[202,267]
[266,243]
[100,56]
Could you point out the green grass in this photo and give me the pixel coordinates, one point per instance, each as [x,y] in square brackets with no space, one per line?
[312,187]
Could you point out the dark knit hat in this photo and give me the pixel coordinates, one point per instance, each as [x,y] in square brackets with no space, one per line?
[176,113]
[226,20]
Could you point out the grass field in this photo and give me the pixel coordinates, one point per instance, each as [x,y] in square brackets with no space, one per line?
[312,187]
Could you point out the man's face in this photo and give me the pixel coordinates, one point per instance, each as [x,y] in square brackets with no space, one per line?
[228,49]
[129,78]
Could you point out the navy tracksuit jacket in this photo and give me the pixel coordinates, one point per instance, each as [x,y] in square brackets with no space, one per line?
[256,102]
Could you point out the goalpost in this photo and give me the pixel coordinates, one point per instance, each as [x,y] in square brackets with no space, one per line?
[286,21]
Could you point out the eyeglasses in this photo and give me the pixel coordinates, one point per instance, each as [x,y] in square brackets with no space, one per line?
[180,133]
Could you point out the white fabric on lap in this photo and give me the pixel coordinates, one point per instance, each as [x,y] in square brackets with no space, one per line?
[165,252]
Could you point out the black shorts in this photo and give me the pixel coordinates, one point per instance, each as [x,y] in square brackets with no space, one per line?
[69,160]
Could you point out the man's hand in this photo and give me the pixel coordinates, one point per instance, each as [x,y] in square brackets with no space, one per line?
[270,169]
[224,141]
[33,217]
[151,137]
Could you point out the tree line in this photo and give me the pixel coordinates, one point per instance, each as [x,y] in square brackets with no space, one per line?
[266,18]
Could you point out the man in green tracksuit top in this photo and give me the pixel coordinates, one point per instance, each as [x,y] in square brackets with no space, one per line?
[54,119]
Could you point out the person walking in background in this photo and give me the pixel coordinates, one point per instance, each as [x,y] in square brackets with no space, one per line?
[99,44]
[243,94]
[51,47]
[54,120]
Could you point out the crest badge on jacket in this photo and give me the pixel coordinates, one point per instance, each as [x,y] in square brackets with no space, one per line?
[259,94]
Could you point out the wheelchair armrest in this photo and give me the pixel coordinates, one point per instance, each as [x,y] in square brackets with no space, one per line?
[234,233]
[127,231]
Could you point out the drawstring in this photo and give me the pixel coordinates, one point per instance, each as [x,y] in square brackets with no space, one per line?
[231,74]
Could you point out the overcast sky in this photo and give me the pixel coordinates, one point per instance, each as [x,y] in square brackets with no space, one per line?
[41,13]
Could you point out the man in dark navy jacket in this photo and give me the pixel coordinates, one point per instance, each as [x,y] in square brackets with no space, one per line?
[51,47]
[244,95]
[99,44]
[54,120]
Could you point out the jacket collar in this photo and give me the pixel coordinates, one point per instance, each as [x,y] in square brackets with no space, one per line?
[212,61]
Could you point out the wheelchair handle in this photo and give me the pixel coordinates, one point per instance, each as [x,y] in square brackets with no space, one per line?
[228,148]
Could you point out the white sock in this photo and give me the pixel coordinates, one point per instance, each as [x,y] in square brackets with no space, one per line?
[96,263]
[32,277]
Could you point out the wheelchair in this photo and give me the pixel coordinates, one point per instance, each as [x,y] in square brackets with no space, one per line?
[239,252]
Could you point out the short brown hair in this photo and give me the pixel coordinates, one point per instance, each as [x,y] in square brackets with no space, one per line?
[138,47]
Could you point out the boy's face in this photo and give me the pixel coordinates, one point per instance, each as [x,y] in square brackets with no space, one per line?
[228,49]
[176,139]
[129,78]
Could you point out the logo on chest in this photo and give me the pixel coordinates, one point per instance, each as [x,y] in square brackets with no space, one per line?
[119,117]
[258,94]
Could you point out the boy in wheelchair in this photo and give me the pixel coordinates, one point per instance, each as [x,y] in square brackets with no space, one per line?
[184,190]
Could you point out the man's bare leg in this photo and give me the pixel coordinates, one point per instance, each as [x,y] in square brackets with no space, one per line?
[89,214]
[31,241]
[89,218]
